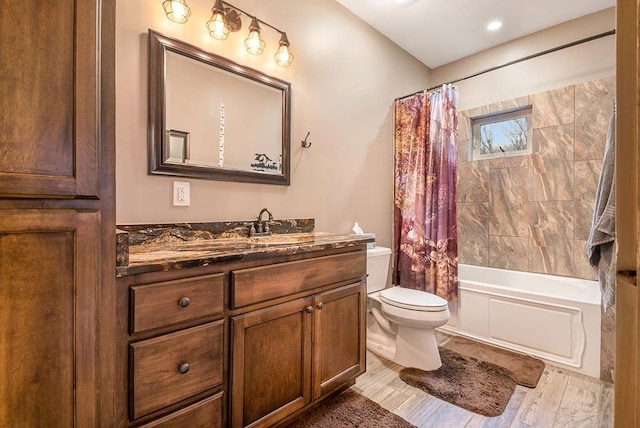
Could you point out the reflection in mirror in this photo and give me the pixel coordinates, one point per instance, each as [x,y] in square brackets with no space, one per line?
[233,121]
[178,150]
[244,113]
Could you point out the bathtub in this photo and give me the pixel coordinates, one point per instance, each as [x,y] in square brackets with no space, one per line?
[551,317]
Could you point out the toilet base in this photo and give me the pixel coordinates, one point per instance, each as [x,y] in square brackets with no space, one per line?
[405,345]
[417,348]
[411,348]
[381,346]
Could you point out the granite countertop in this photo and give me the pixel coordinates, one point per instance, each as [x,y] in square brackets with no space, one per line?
[183,246]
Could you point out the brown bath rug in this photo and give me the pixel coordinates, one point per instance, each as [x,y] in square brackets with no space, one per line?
[466,382]
[350,409]
[526,370]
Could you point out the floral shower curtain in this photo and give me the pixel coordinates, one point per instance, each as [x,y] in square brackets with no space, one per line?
[426,158]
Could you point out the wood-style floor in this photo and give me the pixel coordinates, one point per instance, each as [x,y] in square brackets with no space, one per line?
[562,398]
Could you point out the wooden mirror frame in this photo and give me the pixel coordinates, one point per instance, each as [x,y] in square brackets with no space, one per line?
[158,47]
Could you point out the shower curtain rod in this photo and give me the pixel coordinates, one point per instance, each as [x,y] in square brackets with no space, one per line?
[515,61]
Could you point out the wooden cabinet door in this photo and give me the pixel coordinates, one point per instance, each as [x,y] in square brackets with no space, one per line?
[339,337]
[49,294]
[49,92]
[271,363]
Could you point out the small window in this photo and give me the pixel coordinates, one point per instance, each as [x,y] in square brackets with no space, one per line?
[506,133]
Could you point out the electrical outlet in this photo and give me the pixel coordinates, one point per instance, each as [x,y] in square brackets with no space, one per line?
[181,194]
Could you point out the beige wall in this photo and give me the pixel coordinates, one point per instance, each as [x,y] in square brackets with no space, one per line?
[588,61]
[344,79]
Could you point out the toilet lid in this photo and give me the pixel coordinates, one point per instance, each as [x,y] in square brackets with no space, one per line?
[415,300]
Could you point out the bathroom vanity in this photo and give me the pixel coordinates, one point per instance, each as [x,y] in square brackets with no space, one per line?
[236,331]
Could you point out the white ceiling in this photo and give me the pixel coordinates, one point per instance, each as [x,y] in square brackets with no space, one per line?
[441,31]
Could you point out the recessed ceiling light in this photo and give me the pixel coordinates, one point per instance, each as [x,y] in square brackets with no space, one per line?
[403,1]
[494,25]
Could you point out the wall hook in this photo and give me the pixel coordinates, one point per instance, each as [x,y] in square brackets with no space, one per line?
[306,144]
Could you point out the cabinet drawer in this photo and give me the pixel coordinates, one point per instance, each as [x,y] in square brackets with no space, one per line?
[170,368]
[204,414]
[262,283]
[165,303]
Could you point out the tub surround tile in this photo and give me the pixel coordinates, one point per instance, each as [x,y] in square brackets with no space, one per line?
[581,262]
[586,176]
[550,179]
[555,142]
[607,344]
[552,238]
[473,182]
[473,233]
[509,162]
[545,198]
[463,152]
[500,106]
[508,202]
[507,252]
[553,108]
[464,124]
[594,108]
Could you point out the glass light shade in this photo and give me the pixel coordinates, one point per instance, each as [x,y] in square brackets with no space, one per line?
[253,42]
[177,10]
[217,26]
[283,56]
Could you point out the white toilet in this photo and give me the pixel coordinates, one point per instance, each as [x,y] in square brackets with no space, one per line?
[401,321]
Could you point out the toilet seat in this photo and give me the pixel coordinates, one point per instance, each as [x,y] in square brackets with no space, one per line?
[414,300]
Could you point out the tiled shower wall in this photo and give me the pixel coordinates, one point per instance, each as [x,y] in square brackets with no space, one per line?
[533,212]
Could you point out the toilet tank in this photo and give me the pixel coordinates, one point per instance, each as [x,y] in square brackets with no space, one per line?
[378,259]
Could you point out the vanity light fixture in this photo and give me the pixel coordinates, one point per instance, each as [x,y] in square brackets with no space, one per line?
[177,10]
[225,18]
[253,42]
[218,26]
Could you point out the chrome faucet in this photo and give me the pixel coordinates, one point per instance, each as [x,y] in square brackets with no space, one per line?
[262,226]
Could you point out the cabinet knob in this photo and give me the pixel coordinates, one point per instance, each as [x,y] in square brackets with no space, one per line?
[184,302]
[309,309]
[184,368]
[320,305]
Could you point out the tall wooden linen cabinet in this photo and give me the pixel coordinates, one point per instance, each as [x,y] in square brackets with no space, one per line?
[57,213]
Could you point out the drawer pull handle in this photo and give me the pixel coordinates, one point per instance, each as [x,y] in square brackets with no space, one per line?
[184,302]
[320,305]
[184,368]
[309,309]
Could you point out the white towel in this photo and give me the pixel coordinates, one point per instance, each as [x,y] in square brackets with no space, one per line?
[601,242]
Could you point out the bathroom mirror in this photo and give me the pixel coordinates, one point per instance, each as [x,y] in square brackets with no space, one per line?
[214,119]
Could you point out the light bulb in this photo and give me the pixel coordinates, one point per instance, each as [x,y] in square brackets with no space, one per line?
[253,42]
[283,56]
[217,26]
[176,10]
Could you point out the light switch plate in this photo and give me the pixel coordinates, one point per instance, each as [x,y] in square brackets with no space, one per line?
[181,194]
